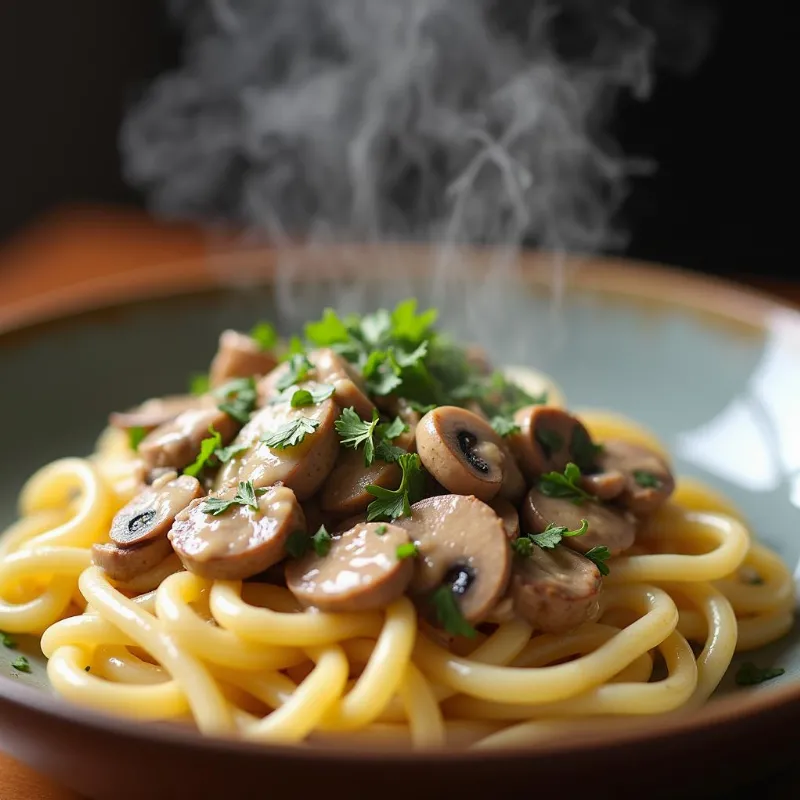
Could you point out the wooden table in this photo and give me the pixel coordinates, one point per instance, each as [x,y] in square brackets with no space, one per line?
[76,245]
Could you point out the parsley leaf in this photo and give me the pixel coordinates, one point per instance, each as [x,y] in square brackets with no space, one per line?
[410,326]
[297,543]
[354,432]
[321,541]
[290,434]
[749,674]
[327,331]
[239,398]
[225,454]
[645,479]
[246,495]
[199,383]
[497,395]
[583,450]
[407,550]
[393,503]
[504,426]
[393,429]
[208,448]
[554,484]
[7,641]
[598,556]
[449,614]
[553,534]
[135,436]
[310,397]
[381,529]
[298,368]
[375,328]
[21,664]
[264,335]
[294,348]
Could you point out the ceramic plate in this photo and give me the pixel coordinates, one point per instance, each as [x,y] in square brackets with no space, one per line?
[712,369]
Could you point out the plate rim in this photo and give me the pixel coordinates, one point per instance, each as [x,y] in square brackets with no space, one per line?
[635,280]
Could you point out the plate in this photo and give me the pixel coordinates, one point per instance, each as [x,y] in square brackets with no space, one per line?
[713,369]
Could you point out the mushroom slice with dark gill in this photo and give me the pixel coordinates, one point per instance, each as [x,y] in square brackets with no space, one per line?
[548,440]
[302,467]
[239,356]
[240,541]
[462,543]
[461,451]
[647,481]
[158,411]
[612,527]
[362,570]
[555,590]
[176,444]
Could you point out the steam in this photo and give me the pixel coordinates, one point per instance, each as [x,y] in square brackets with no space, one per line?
[459,122]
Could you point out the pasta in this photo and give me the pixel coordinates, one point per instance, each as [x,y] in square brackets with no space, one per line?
[246,658]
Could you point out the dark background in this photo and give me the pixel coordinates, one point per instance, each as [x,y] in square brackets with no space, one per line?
[721,200]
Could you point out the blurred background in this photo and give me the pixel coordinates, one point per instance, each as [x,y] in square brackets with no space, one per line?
[710,109]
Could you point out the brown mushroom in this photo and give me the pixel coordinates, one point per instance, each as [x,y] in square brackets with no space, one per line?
[176,444]
[646,479]
[239,356]
[508,516]
[158,411]
[345,490]
[461,451]
[302,467]
[349,390]
[548,440]
[612,527]
[555,590]
[238,542]
[149,516]
[603,485]
[125,564]
[462,544]
[362,570]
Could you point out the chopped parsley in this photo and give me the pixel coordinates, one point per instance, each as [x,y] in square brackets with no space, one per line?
[598,556]
[583,450]
[7,641]
[246,495]
[549,440]
[646,479]
[504,426]
[199,383]
[21,664]
[553,534]
[381,529]
[522,546]
[407,550]
[264,335]
[291,434]
[297,543]
[328,331]
[208,447]
[310,397]
[355,432]
[298,367]
[135,436]
[239,398]
[556,484]
[393,503]
[225,454]
[322,541]
[448,614]
[749,674]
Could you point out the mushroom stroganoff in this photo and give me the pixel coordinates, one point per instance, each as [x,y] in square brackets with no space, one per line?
[369,534]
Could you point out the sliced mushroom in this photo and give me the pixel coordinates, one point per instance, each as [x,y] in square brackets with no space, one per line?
[393,406]
[176,444]
[604,485]
[555,590]
[239,356]
[548,440]
[508,516]
[149,516]
[462,544]
[125,564]
[345,490]
[239,542]
[612,527]
[646,479]
[461,451]
[158,411]
[302,467]
[360,572]
[348,386]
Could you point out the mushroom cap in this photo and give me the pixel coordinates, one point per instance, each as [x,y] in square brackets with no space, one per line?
[345,489]
[548,440]
[159,410]
[509,516]
[239,356]
[604,485]
[555,590]
[239,542]
[608,526]
[454,532]
[125,564]
[360,572]
[150,514]
[462,451]
[304,467]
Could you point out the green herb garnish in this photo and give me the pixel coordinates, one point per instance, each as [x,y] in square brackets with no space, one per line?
[407,550]
[21,664]
[208,447]
[297,544]
[553,534]
[449,614]
[7,641]
[556,484]
[393,503]
[381,529]
[239,398]
[246,495]
[264,335]
[322,541]
[290,434]
[355,432]
[135,436]
[310,397]
[749,674]
[504,426]
[598,556]
[583,450]
[297,371]
[328,331]
[645,479]
[199,384]
[225,454]
[522,546]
